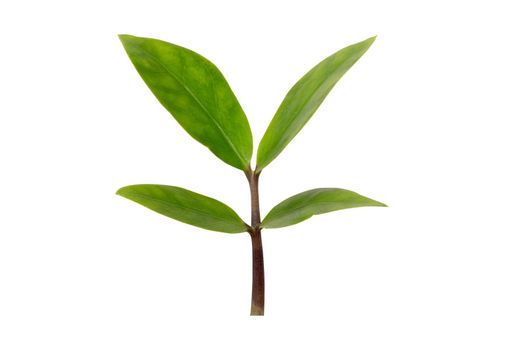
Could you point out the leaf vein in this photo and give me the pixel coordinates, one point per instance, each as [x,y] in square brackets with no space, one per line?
[199,103]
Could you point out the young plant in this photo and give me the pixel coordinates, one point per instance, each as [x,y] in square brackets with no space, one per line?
[195,92]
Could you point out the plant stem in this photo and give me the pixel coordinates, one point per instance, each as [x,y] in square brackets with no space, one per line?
[257,308]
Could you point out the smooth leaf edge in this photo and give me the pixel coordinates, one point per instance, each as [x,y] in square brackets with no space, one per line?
[260,166]
[375,204]
[244,162]
[121,192]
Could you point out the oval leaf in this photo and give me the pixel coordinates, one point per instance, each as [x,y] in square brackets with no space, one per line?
[186,206]
[195,92]
[318,201]
[304,98]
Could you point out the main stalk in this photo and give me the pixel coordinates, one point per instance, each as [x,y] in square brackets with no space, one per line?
[257,249]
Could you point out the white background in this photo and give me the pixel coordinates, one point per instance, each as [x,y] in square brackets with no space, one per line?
[430,121]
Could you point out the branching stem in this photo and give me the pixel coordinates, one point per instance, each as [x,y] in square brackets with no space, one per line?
[257,308]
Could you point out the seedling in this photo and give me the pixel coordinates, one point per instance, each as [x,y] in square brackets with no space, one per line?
[195,92]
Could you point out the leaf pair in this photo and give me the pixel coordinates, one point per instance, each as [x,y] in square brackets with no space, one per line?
[196,93]
[205,212]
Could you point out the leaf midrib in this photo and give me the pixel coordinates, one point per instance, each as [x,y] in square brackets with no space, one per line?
[199,103]
[304,206]
[301,107]
[162,201]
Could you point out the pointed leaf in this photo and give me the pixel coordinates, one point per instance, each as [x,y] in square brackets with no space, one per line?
[318,201]
[186,206]
[304,98]
[195,92]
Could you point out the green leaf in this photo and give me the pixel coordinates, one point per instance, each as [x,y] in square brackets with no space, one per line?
[195,92]
[318,201]
[304,98]
[186,206]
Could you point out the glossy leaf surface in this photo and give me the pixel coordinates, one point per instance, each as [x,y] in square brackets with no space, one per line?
[186,206]
[196,93]
[318,201]
[304,98]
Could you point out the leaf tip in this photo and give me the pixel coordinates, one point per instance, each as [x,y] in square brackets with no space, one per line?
[368,42]
[126,39]
[379,204]
[121,191]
